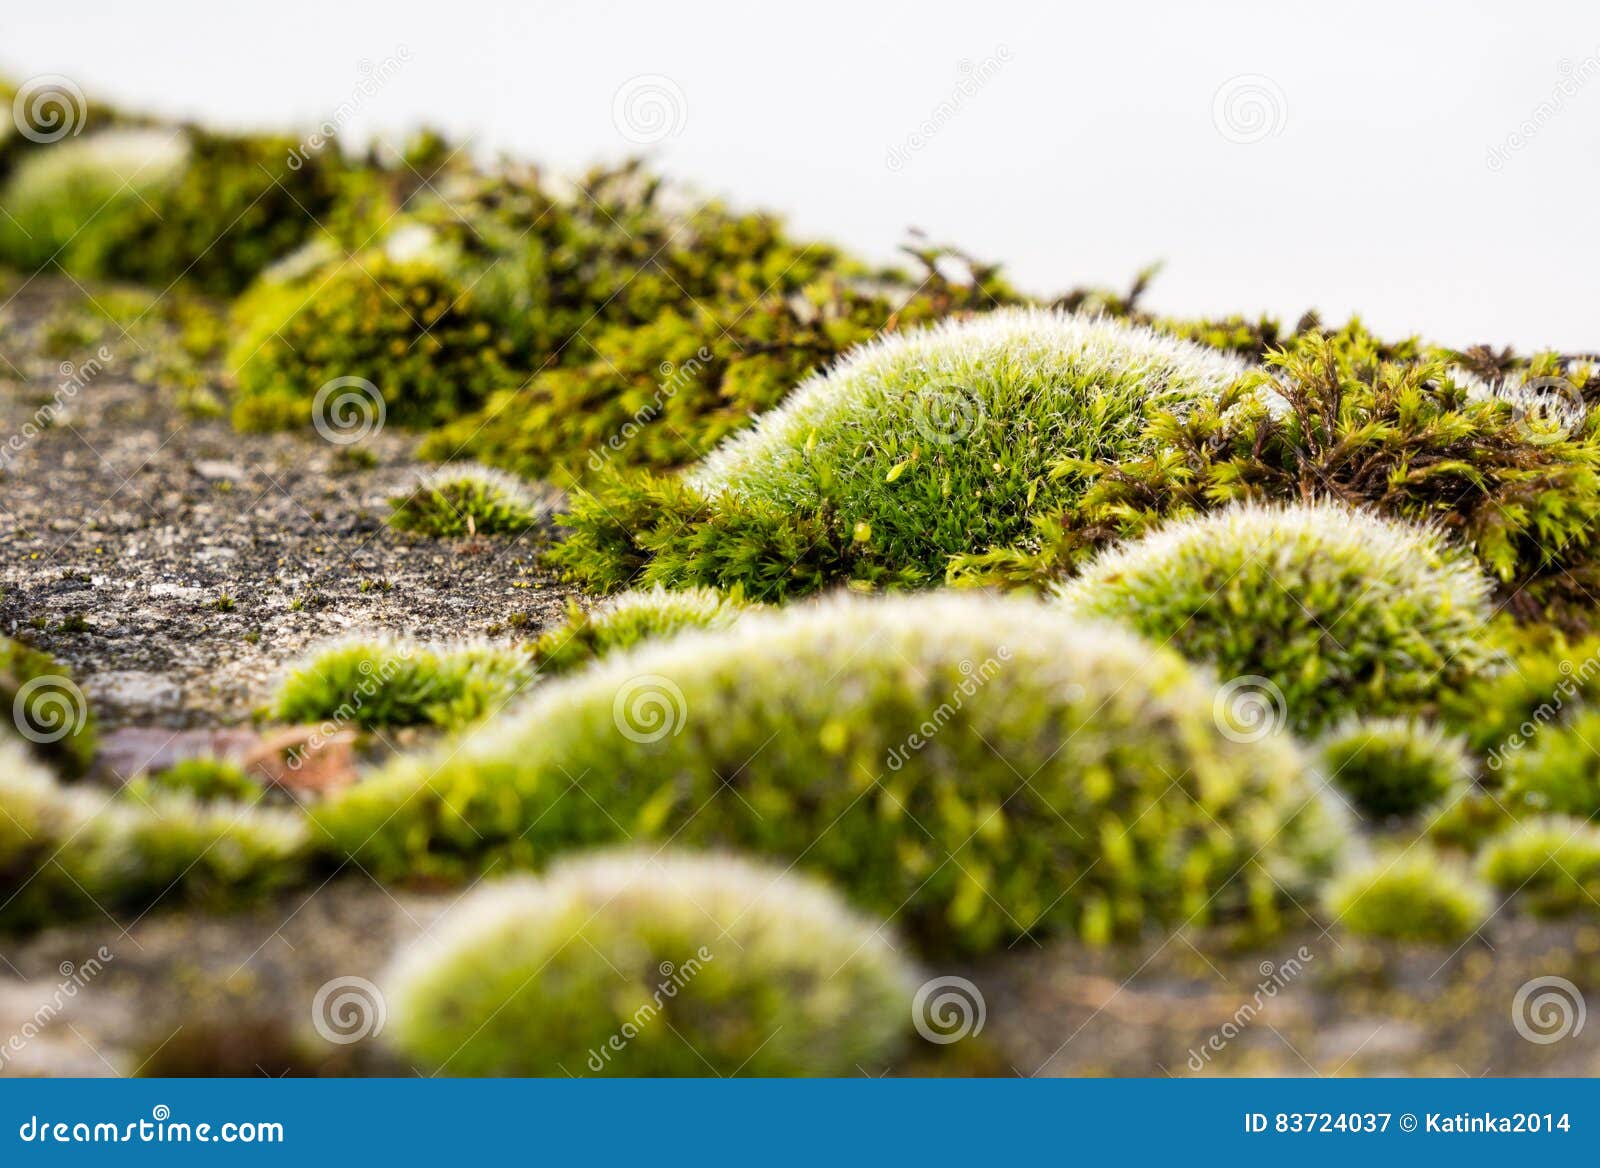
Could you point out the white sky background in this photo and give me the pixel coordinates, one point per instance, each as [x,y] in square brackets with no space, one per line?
[1090,152]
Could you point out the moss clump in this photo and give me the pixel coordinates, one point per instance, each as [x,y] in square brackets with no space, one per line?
[75,852]
[1551,865]
[913,449]
[1416,895]
[1394,766]
[1558,770]
[1341,416]
[629,618]
[40,702]
[1545,679]
[1341,611]
[664,393]
[62,203]
[378,682]
[205,778]
[412,329]
[455,501]
[238,204]
[635,965]
[862,739]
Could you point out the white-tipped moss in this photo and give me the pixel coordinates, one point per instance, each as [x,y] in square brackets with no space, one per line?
[54,196]
[1395,766]
[628,618]
[375,681]
[881,743]
[1413,895]
[1551,864]
[1340,610]
[633,964]
[466,499]
[78,851]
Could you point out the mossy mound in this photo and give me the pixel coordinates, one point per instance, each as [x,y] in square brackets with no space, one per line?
[1329,610]
[1556,770]
[40,702]
[411,329]
[1416,895]
[64,203]
[373,682]
[1550,864]
[1394,766]
[915,448]
[884,744]
[455,501]
[1345,417]
[162,205]
[663,394]
[72,852]
[624,620]
[651,965]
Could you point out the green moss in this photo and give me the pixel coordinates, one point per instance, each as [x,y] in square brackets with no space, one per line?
[455,501]
[664,393]
[1551,865]
[1337,611]
[205,778]
[1416,895]
[641,965]
[1558,770]
[881,744]
[77,852]
[1468,822]
[1544,680]
[1395,766]
[417,333]
[40,701]
[63,203]
[911,450]
[627,619]
[1342,417]
[378,682]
